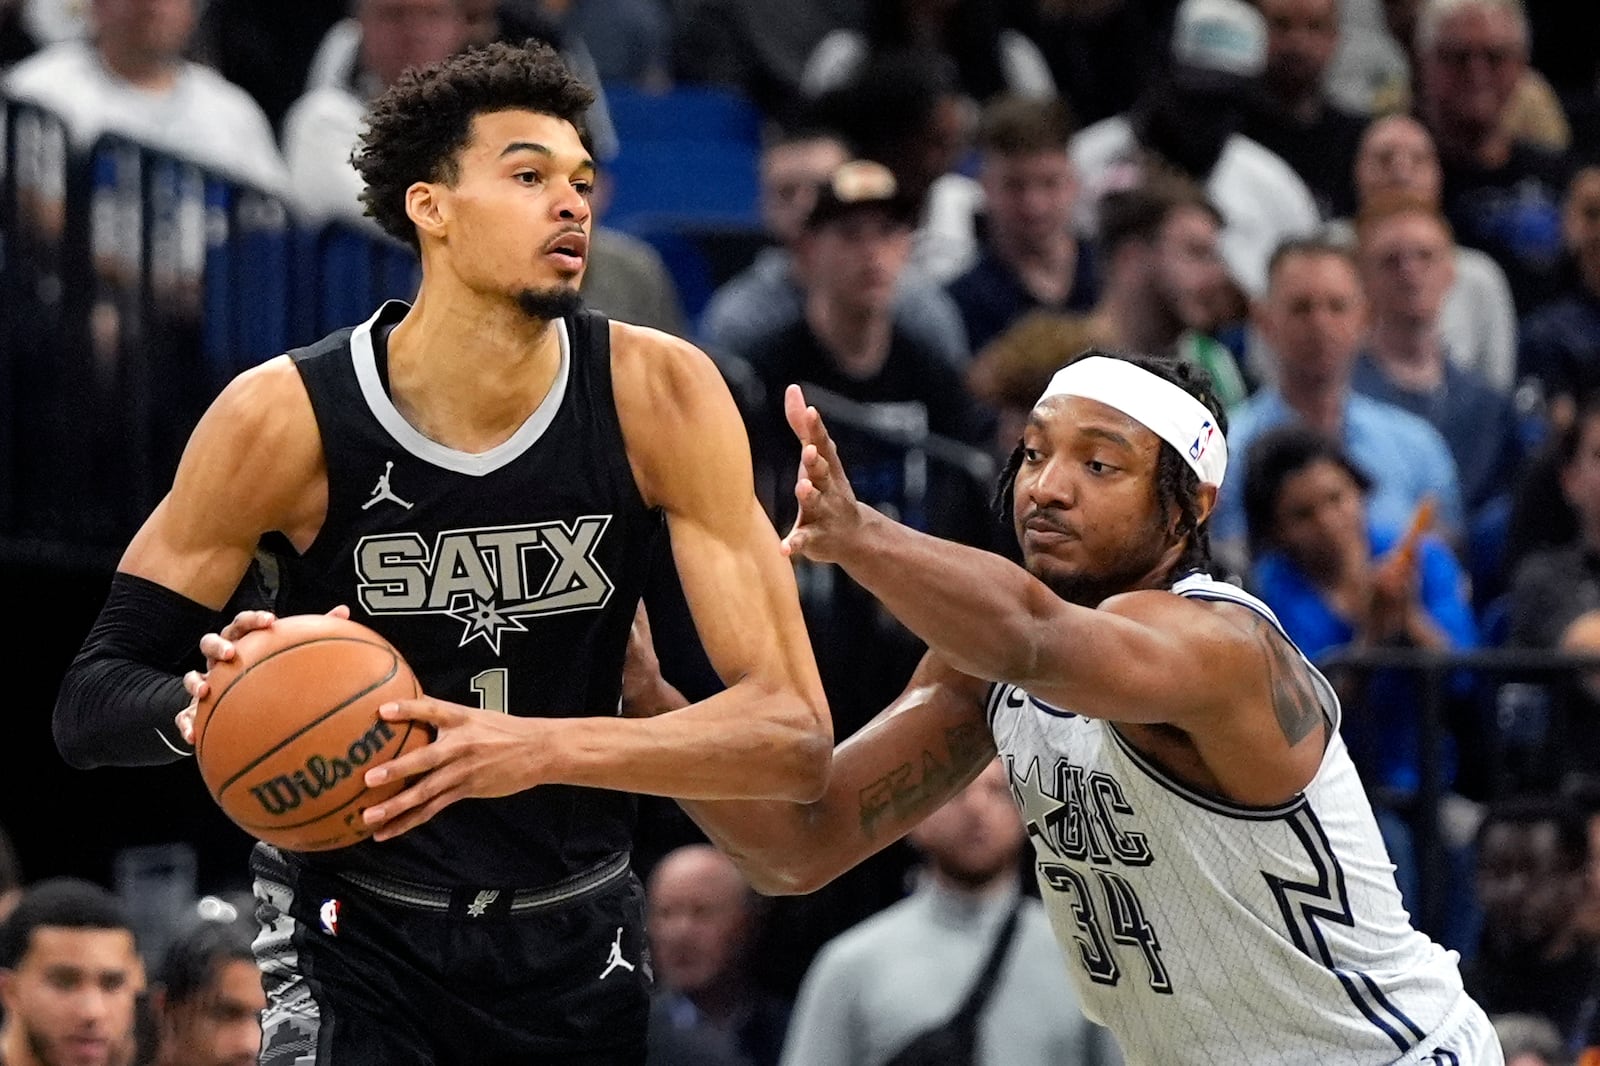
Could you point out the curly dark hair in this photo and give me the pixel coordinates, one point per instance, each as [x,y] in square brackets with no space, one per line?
[417,128]
[1176,482]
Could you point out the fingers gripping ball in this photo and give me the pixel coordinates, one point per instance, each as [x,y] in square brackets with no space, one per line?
[291,723]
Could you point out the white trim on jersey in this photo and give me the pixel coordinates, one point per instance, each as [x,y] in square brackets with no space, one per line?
[405,434]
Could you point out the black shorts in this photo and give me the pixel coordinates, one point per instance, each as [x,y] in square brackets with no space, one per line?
[366,972]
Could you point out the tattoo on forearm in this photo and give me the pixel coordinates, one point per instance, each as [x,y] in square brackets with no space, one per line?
[908,789]
[1294,697]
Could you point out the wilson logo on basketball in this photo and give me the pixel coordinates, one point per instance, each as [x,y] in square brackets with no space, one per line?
[285,792]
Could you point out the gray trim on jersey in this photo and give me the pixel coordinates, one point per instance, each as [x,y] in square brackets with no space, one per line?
[473,464]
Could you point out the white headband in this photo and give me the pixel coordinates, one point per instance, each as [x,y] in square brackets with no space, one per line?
[1160,406]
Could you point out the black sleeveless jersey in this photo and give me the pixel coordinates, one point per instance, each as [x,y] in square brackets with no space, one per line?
[507,579]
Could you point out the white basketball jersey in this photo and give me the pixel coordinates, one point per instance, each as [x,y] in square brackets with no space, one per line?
[1202,931]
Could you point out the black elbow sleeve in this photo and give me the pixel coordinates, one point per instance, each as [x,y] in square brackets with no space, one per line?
[119,697]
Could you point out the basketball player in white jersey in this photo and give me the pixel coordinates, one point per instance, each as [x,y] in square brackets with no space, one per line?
[1207,855]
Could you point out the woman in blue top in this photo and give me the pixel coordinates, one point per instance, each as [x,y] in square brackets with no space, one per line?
[1338,581]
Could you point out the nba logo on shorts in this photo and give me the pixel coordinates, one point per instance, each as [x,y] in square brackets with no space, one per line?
[329,915]
[1198,448]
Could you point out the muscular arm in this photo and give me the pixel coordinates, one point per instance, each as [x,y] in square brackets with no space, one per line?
[251,465]
[767,734]
[925,747]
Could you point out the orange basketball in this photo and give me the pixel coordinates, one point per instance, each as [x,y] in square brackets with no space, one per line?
[291,724]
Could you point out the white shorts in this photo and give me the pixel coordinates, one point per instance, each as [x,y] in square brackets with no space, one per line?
[1464,1038]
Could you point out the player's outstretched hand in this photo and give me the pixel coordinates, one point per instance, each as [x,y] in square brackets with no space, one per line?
[829,514]
[218,648]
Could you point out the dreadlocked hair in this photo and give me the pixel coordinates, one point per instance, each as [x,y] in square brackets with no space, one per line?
[1177,485]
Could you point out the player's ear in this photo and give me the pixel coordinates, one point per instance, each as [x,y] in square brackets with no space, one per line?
[428,208]
[1205,501]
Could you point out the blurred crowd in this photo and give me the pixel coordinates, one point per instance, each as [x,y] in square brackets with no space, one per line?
[1375,223]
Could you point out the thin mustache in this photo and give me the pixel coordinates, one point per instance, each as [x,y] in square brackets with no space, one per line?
[1038,519]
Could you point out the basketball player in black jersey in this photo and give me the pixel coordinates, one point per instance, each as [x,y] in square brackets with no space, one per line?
[479,476]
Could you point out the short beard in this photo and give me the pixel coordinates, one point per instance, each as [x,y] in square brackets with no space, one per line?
[547,305]
[1125,575]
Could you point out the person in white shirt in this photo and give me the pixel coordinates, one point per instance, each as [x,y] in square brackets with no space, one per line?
[130,78]
[1190,123]
[853,1010]
[319,131]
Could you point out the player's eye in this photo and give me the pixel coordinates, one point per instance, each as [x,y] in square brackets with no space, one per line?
[1099,466]
[1031,455]
[584,188]
[528,177]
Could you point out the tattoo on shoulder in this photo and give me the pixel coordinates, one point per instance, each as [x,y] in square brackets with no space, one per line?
[1294,696]
[911,788]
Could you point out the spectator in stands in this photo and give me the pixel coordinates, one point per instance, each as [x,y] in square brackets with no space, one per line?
[1295,117]
[989,57]
[1535,112]
[322,126]
[1532,857]
[1157,247]
[70,973]
[849,344]
[207,994]
[1561,339]
[769,293]
[856,241]
[132,79]
[1501,194]
[1339,579]
[1553,585]
[704,923]
[853,1008]
[344,59]
[1190,120]
[1314,318]
[906,111]
[1030,255]
[1396,157]
[1407,256]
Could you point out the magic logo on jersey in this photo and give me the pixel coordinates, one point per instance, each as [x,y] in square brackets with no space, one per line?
[1080,824]
[492,580]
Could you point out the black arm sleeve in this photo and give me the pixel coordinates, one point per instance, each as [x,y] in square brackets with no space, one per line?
[120,695]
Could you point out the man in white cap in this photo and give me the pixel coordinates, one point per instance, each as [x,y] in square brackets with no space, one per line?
[1206,852]
[1190,120]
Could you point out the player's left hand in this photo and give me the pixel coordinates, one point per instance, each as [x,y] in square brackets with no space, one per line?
[475,754]
[218,648]
[829,513]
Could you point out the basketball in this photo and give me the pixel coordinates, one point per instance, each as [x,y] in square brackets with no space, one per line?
[290,725]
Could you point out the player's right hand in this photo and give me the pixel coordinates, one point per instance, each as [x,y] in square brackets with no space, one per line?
[829,513]
[218,648]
